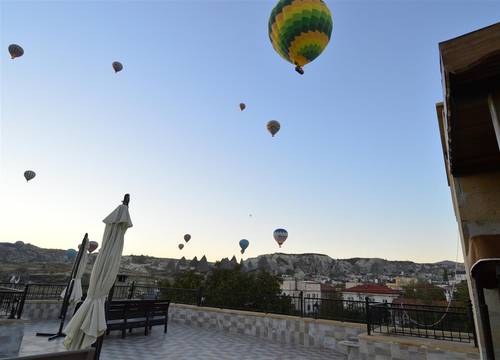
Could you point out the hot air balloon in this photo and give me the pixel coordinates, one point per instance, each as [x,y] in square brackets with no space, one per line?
[242,106]
[181,246]
[15,51]
[273,127]
[187,237]
[71,254]
[117,66]
[243,245]
[92,246]
[280,236]
[300,30]
[29,174]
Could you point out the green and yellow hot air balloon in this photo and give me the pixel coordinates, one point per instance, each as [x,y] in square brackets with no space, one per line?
[300,30]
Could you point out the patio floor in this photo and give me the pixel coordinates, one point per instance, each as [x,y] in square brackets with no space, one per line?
[181,342]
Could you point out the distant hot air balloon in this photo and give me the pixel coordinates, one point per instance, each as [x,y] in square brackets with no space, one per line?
[300,30]
[29,174]
[273,127]
[187,237]
[92,246]
[181,246]
[15,51]
[242,106]
[117,66]
[71,254]
[243,245]
[280,236]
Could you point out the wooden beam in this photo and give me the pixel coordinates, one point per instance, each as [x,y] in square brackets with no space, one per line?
[494,105]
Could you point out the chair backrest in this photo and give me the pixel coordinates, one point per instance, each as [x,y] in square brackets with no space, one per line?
[115,310]
[87,354]
[160,307]
[135,308]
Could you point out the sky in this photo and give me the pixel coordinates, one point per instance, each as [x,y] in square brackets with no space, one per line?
[355,171]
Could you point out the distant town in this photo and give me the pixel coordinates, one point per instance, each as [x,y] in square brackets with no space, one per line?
[313,275]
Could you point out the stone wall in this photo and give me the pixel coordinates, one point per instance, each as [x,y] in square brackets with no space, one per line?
[280,328]
[380,347]
[42,309]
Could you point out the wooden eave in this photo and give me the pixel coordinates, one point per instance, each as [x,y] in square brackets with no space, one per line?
[470,67]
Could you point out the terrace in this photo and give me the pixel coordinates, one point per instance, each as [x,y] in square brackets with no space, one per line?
[181,342]
[276,327]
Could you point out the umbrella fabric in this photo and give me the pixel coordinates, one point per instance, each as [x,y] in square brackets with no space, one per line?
[89,322]
[77,293]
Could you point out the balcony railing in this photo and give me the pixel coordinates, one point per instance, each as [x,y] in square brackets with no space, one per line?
[425,321]
[11,301]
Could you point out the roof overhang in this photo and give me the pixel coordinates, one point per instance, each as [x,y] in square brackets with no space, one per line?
[470,68]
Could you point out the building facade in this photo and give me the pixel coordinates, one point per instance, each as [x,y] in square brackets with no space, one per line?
[374,293]
[469,125]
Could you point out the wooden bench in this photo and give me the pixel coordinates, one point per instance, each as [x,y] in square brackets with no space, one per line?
[87,354]
[126,315]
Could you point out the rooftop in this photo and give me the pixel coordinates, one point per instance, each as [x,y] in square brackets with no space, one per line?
[181,342]
[371,289]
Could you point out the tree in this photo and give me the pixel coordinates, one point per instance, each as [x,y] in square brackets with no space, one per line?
[233,288]
[461,294]
[229,288]
[427,293]
[445,275]
[185,288]
[188,280]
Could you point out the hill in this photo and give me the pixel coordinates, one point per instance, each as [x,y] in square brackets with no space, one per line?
[33,263]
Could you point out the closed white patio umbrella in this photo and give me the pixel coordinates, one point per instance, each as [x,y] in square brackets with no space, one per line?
[77,293]
[89,322]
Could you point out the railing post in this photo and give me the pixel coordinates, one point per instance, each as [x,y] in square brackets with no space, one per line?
[199,296]
[111,293]
[301,294]
[12,302]
[23,299]
[131,290]
[368,319]
[470,317]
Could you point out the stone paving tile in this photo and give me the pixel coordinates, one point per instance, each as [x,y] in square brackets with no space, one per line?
[181,342]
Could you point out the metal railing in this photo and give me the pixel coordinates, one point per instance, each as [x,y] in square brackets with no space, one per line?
[11,302]
[38,291]
[424,321]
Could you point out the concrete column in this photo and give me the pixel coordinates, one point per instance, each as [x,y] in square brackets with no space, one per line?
[476,200]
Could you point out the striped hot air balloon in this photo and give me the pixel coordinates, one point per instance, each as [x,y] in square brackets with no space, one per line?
[117,66]
[273,127]
[29,174]
[280,236]
[15,51]
[92,246]
[300,30]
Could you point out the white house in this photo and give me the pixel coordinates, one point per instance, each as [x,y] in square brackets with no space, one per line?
[311,292]
[375,293]
[292,287]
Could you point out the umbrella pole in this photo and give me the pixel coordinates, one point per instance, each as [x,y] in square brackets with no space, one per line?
[67,294]
[98,344]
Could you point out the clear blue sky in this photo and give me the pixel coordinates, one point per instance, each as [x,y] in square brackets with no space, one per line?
[356,170]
